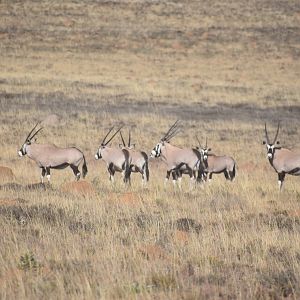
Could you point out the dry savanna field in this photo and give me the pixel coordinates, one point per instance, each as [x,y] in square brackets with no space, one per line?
[223,68]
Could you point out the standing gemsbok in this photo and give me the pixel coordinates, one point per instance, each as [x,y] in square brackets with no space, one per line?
[214,164]
[283,160]
[49,156]
[139,159]
[177,159]
[117,160]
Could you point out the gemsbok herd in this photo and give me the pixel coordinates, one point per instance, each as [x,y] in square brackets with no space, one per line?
[199,163]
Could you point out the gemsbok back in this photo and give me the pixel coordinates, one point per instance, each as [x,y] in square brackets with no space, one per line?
[214,164]
[178,160]
[117,160]
[283,160]
[139,159]
[49,156]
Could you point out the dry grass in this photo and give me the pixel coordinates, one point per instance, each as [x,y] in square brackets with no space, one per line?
[223,69]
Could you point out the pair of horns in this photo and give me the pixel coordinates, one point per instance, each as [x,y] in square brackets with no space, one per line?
[200,143]
[173,130]
[29,136]
[104,143]
[267,136]
[129,139]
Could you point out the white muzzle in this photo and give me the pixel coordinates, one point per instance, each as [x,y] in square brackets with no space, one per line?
[20,153]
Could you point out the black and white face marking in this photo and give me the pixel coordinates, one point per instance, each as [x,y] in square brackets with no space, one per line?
[156,152]
[270,150]
[23,151]
[204,153]
[98,155]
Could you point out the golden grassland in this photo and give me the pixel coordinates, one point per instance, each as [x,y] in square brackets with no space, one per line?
[223,69]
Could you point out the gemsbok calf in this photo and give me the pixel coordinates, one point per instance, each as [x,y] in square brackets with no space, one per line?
[139,159]
[283,160]
[214,164]
[49,156]
[178,160]
[117,160]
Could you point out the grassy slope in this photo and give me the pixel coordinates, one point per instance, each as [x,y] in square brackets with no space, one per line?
[223,69]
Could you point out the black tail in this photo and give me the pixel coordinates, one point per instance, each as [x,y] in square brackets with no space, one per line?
[146,166]
[147,171]
[84,167]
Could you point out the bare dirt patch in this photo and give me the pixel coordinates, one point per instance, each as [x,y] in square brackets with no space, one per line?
[82,188]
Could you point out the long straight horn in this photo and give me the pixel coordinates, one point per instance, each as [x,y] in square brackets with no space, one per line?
[103,141]
[276,133]
[170,131]
[171,135]
[266,132]
[36,133]
[113,136]
[129,138]
[198,141]
[122,139]
[28,136]
[205,142]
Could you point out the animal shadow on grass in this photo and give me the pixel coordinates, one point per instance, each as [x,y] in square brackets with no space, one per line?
[28,187]
[47,214]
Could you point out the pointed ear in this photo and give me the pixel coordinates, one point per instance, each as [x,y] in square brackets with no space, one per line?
[133,146]
[120,146]
[264,142]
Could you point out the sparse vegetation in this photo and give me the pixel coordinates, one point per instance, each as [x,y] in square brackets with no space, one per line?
[223,68]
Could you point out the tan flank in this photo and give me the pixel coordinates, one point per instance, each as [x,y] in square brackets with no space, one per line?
[116,159]
[177,159]
[49,156]
[139,159]
[283,160]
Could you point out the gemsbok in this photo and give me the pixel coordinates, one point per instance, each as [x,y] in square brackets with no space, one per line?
[116,159]
[139,159]
[49,156]
[178,160]
[283,160]
[214,164]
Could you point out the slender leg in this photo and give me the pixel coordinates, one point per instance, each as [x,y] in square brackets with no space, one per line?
[203,177]
[111,171]
[280,180]
[232,175]
[48,174]
[174,177]
[209,177]
[192,179]
[226,175]
[111,175]
[179,179]
[199,178]
[127,175]
[76,172]
[43,174]
[167,177]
